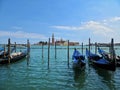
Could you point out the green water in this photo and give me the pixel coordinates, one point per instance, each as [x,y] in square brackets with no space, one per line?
[33,73]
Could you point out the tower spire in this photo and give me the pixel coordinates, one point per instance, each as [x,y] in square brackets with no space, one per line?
[53,41]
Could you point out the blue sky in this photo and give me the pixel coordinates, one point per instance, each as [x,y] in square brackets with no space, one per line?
[74,20]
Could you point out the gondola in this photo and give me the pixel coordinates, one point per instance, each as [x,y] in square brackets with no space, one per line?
[14,57]
[105,54]
[1,49]
[100,62]
[92,56]
[5,53]
[118,61]
[78,60]
[1,52]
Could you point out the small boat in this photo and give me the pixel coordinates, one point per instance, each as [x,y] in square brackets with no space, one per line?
[90,55]
[118,61]
[78,60]
[14,57]
[100,62]
[106,55]
[1,52]
[5,53]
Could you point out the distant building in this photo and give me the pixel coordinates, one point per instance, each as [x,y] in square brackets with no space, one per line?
[41,43]
[74,43]
[62,42]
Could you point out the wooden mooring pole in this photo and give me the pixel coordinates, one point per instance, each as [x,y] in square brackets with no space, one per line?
[28,52]
[48,52]
[95,47]
[82,48]
[9,50]
[15,46]
[55,51]
[89,46]
[68,53]
[112,49]
[4,50]
[28,47]
[42,50]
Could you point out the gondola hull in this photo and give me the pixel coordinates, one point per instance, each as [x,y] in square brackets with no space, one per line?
[100,62]
[118,61]
[14,59]
[79,65]
[107,66]
[78,60]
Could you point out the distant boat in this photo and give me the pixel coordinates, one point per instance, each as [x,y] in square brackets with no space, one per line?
[14,57]
[78,60]
[100,62]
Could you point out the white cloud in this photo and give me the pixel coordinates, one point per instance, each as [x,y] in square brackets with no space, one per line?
[108,28]
[97,28]
[17,28]
[67,27]
[115,19]
[101,27]
[21,34]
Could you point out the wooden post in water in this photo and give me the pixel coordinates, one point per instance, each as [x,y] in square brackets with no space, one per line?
[28,46]
[89,46]
[28,51]
[42,50]
[15,46]
[95,47]
[9,50]
[82,48]
[55,51]
[68,53]
[112,50]
[4,51]
[48,52]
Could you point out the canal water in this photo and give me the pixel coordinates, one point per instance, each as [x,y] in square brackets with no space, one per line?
[33,74]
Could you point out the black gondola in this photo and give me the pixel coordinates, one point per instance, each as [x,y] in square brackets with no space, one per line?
[118,61]
[5,53]
[101,62]
[13,58]
[78,60]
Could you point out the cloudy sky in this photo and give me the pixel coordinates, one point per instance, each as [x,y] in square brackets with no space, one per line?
[74,20]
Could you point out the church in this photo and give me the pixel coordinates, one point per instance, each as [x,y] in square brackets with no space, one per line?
[62,42]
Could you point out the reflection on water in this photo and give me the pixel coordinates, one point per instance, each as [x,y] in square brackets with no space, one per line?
[28,59]
[106,77]
[79,78]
